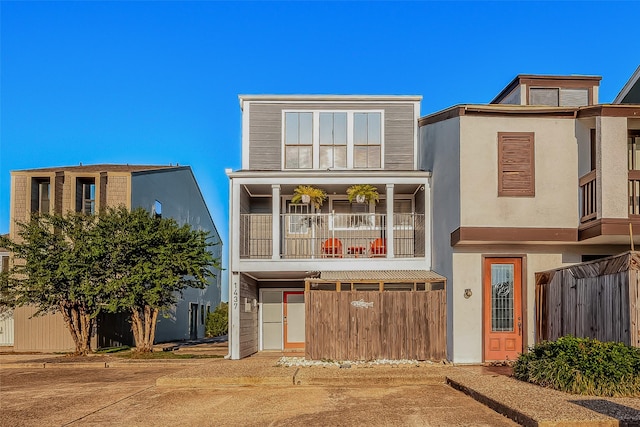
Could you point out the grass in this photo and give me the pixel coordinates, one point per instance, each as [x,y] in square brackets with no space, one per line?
[164,355]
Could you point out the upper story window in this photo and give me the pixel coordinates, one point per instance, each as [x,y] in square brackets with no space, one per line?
[634,149]
[516,164]
[333,139]
[86,195]
[40,195]
[558,97]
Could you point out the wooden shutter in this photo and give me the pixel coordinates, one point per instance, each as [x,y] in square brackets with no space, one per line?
[516,164]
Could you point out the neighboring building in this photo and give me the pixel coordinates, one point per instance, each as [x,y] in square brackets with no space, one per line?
[170,191]
[543,177]
[6,314]
[279,248]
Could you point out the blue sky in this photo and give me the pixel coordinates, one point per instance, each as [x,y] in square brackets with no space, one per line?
[158,82]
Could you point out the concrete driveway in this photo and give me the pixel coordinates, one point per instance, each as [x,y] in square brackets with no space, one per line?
[127,395]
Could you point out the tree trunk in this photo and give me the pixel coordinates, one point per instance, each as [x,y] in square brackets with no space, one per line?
[143,325]
[80,325]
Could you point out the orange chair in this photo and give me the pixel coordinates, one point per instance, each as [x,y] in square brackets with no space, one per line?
[332,248]
[378,247]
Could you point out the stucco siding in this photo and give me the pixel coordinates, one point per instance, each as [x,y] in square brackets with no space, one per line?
[556,165]
[612,176]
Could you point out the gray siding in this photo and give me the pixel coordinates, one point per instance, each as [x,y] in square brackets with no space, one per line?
[248,319]
[265,132]
[181,200]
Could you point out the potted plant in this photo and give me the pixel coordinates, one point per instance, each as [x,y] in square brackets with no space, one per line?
[363,193]
[309,194]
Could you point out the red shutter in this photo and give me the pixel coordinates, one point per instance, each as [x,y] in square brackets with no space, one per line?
[516,164]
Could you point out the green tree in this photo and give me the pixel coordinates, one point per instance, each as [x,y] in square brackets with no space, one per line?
[56,268]
[149,262]
[218,321]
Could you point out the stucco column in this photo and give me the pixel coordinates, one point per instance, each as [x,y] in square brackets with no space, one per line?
[390,250]
[275,221]
[612,175]
[234,316]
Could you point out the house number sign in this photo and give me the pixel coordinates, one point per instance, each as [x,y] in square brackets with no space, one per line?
[362,304]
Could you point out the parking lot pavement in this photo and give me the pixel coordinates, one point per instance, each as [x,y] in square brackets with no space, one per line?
[128,395]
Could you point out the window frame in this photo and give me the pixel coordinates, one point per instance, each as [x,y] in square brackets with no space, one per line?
[315,142]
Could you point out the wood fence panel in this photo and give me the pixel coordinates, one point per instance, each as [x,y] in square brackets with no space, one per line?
[596,300]
[379,325]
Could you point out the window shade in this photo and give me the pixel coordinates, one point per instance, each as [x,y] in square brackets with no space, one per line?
[516,164]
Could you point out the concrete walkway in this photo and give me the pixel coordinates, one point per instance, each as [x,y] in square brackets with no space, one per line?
[524,403]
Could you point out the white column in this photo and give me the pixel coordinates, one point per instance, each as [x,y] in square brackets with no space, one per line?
[275,221]
[390,250]
[427,222]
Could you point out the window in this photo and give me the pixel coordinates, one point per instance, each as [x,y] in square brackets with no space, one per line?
[366,140]
[593,149]
[156,209]
[333,139]
[558,97]
[299,140]
[634,150]
[86,195]
[298,218]
[351,215]
[516,164]
[40,195]
[4,263]
[202,314]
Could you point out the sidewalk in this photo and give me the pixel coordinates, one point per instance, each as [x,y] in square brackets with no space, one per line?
[524,403]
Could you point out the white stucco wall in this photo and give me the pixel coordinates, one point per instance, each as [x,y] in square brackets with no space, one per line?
[556,164]
[612,174]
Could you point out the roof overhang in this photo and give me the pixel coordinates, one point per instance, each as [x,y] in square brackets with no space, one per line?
[631,89]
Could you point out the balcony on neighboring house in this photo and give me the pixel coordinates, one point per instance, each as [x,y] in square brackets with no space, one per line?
[614,201]
[333,235]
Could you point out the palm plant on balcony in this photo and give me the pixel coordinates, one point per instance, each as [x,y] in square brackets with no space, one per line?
[309,194]
[363,193]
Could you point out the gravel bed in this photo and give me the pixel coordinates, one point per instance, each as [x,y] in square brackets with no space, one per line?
[301,362]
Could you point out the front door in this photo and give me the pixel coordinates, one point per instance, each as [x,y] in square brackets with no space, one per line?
[293,319]
[502,290]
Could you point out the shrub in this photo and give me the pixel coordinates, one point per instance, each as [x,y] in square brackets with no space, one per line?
[582,366]
[218,321]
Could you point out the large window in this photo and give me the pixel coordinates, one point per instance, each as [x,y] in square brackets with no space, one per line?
[333,139]
[558,97]
[40,195]
[86,195]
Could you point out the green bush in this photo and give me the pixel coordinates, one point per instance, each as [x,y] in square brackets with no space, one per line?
[218,321]
[582,366]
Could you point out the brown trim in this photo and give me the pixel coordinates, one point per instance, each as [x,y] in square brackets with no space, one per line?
[442,115]
[609,111]
[498,110]
[608,227]
[513,234]
[555,81]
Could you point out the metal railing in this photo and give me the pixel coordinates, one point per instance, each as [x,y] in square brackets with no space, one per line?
[305,236]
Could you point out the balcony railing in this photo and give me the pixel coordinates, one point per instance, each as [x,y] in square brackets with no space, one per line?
[589,202]
[634,192]
[305,236]
[588,199]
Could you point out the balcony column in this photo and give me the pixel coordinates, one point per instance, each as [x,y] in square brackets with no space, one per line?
[275,221]
[389,222]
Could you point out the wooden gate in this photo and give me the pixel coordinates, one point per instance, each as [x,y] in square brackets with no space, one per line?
[369,325]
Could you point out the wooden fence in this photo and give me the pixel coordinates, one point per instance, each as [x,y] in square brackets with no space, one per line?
[369,325]
[598,299]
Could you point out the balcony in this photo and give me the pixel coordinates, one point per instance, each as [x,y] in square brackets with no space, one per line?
[334,236]
[589,197]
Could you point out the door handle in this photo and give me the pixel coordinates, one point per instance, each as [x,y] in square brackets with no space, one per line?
[519,327]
